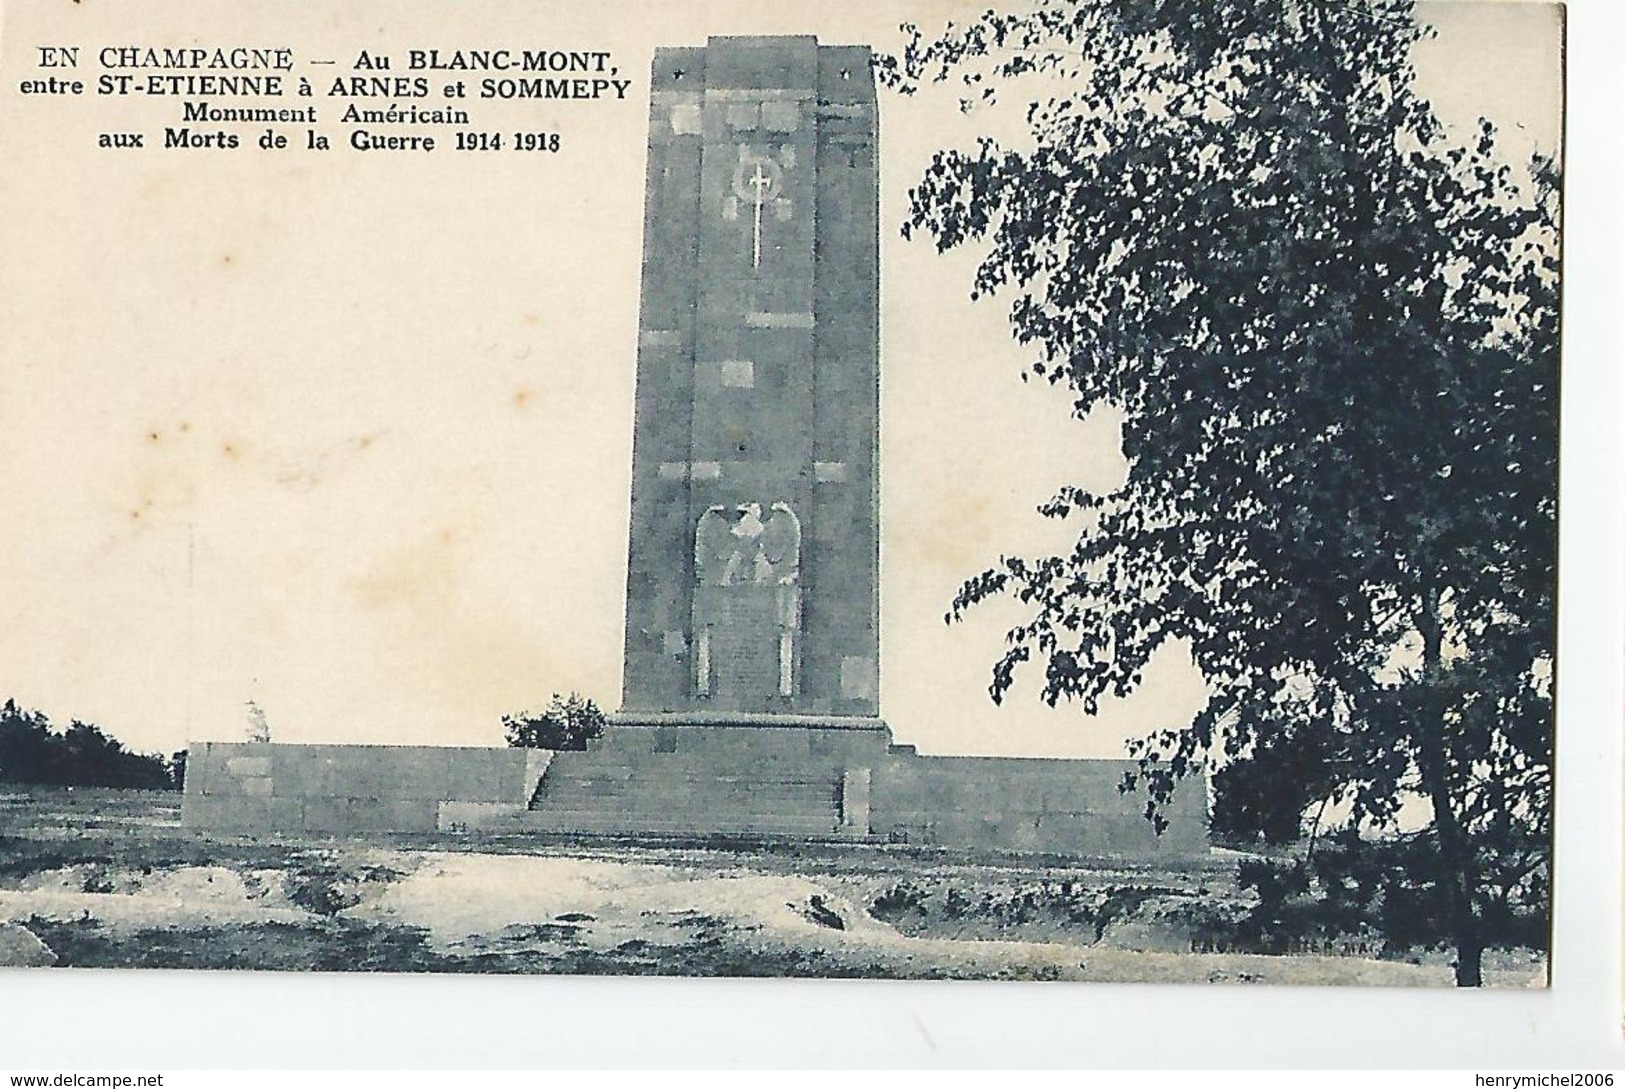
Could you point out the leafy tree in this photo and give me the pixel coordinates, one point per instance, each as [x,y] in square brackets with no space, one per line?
[1349,889]
[1331,330]
[568,724]
[31,751]
[1267,794]
[26,753]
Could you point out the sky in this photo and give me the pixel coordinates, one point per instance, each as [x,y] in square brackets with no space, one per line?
[349,434]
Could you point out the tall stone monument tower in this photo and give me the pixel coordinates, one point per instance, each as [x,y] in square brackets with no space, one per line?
[753,565]
[751,692]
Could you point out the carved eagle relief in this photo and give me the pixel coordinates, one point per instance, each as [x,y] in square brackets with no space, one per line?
[740,548]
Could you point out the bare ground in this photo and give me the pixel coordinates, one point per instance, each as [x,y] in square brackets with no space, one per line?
[108,878]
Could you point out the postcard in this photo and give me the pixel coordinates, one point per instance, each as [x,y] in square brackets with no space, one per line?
[1049,492]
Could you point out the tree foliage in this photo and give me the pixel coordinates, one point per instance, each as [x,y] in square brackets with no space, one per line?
[1331,329]
[1266,795]
[33,751]
[1385,896]
[568,724]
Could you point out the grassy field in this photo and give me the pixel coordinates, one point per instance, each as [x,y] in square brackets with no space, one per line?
[110,879]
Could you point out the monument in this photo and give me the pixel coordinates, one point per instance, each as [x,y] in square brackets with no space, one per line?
[751,675]
[754,560]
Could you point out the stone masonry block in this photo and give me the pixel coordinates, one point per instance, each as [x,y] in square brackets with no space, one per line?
[246,767]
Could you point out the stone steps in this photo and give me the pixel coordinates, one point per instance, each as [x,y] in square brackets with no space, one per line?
[597,785]
[674,824]
[680,799]
[603,783]
[657,799]
[698,771]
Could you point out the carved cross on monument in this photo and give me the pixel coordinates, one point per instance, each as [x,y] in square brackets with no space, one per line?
[760,183]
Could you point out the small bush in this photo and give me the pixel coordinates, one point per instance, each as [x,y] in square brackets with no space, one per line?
[567,725]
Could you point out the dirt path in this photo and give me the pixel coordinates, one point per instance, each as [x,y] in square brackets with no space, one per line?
[463,900]
[115,881]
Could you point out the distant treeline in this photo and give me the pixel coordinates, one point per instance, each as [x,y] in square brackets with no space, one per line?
[33,751]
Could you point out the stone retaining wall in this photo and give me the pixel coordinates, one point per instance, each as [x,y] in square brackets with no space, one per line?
[808,779]
[1069,807]
[247,787]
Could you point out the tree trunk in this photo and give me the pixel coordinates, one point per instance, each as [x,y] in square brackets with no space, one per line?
[1455,853]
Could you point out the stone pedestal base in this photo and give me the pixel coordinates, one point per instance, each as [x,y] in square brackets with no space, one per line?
[717,774]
